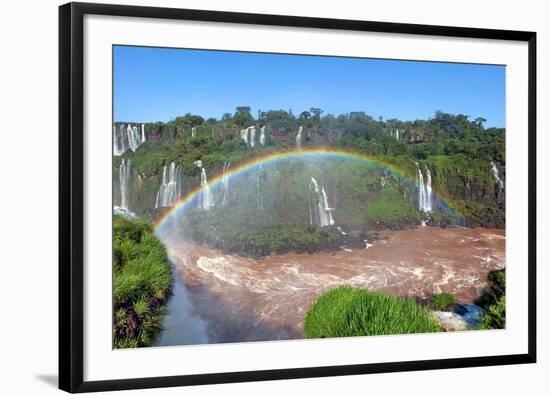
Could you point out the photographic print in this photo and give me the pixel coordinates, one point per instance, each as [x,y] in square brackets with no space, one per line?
[263,197]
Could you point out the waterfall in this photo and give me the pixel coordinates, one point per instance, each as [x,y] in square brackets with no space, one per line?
[143,134]
[193,132]
[225,183]
[207,200]
[198,163]
[124,178]
[170,189]
[133,137]
[320,213]
[252,136]
[262,135]
[494,169]
[129,138]
[119,144]
[244,135]
[248,135]
[429,193]
[395,133]
[425,194]
[299,138]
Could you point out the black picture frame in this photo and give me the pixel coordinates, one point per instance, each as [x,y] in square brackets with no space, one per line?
[71,197]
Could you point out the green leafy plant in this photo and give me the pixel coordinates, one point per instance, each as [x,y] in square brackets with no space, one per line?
[346,311]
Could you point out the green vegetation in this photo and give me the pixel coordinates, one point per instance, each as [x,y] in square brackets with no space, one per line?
[495,316]
[345,311]
[496,288]
[493,300]
[257,235]
[142,282]
[442,301]
[457,150]
[390,209]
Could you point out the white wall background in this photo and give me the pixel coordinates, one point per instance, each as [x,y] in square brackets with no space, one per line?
[28,194]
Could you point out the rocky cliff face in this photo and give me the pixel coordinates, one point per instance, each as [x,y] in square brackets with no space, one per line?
[474,187]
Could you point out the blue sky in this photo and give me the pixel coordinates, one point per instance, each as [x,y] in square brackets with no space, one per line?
[157,84]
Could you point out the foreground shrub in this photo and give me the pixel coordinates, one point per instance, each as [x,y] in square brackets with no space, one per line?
[496,288]
[493,301]
[442,301]
[495,316]
[142,279]
[346,311]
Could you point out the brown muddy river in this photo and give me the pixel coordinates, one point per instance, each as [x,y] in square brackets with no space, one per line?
[227,298]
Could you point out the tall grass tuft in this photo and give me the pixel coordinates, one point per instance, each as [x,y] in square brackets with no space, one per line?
[443,301]
[345,311]
[142,280]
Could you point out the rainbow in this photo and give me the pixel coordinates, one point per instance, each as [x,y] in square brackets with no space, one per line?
[271,157]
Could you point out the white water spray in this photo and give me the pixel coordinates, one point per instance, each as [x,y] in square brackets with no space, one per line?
[425,193]
[225,183]
[499,181]
[299,138]
[133,137]
[252,136]
[320,213]
[170,189]
[198,163]
[193,132]
[119,141]
[262,135]
[207,199]
[143,139]
[124,180]
[244,135]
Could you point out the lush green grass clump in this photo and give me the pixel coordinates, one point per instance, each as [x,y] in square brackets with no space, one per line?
[442,301]
[142,281]
[346,311]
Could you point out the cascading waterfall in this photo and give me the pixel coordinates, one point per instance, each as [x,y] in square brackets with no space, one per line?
[429,193]
[425,194]
[119,143]
[207,199]
[299,138]
[193,132]
[244,135]
[320,213]
[127,138]
[395,133]
[499,181]
[124,180]
[225,183]
[252,136]
[262,135]
[133,137]
[170,189]
[143,139]
[248,135]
